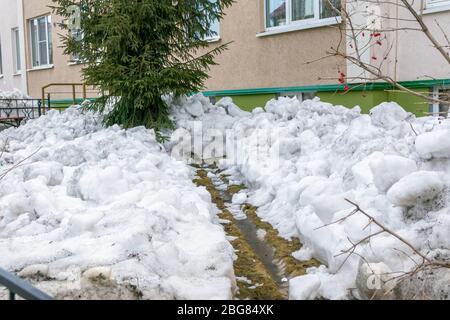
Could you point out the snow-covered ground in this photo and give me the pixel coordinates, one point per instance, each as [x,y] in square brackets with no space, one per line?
[302,161]
[107,213]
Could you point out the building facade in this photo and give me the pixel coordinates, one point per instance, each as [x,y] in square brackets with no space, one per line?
[12,49]
[277,48]
[46,61]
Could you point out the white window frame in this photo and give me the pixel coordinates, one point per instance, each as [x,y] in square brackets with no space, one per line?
[292,25]
[16,50]
[300,95]
[49,63]
[435,106]
[436,3]
[436,6]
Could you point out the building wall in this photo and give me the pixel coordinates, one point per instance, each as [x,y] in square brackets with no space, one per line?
[250,62]
[62,71]
[10,15]
[417,58]
[271,61]
[409,54]
[275,61]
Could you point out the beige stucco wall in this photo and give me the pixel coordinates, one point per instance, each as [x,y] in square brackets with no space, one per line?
[272,61]
[9,19]
[62,72]
[250,62]
[417,58]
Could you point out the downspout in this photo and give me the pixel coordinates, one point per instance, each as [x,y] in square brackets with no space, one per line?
[22,27]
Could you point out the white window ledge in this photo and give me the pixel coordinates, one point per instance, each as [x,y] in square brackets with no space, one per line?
[49,66]
[17,74]
[1,76]
[300,26]
[434,9]
[215,39]
[75,63]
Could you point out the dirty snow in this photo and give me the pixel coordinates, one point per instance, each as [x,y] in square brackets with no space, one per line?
[328,154]
[107,213]
[13,94]
[101,213]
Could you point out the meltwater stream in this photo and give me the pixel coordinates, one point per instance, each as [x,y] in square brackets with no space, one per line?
[257,269]
[263,250]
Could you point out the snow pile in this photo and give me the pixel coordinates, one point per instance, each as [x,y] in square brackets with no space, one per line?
[106,213]
[435,144]
[327,154]
[14,94]
[418,187]
[7,101]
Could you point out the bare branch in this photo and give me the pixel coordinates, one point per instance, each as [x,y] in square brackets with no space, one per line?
[18,164]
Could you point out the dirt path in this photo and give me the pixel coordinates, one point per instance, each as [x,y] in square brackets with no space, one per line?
[264,262]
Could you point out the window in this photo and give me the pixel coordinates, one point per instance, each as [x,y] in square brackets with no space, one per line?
[275,13]
[15,36]
[301,96]
[437,3]
[443,94]
[41,41]
[77,35]
[75,31]
[286,12]
[215,30]
[214,27]
[302,9]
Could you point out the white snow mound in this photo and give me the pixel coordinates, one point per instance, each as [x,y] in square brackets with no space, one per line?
[302,160]
[106,213]
[416,188]
[387,170]
[434,144]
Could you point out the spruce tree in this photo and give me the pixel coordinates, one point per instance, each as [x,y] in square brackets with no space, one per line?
[138,50]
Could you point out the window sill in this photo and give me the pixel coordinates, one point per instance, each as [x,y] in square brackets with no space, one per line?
[1,76]
[17,74]
[212,40]
[300,26]
[75,63]
[438,8]
[46,67]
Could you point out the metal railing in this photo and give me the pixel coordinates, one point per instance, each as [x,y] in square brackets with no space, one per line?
[14,111]
[17,286]
[46,92]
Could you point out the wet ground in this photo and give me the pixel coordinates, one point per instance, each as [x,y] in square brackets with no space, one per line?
[264,261]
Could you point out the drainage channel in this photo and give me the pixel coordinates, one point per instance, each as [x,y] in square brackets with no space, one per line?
[264,261]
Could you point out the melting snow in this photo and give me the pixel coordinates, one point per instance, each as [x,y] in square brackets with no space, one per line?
[107,213]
